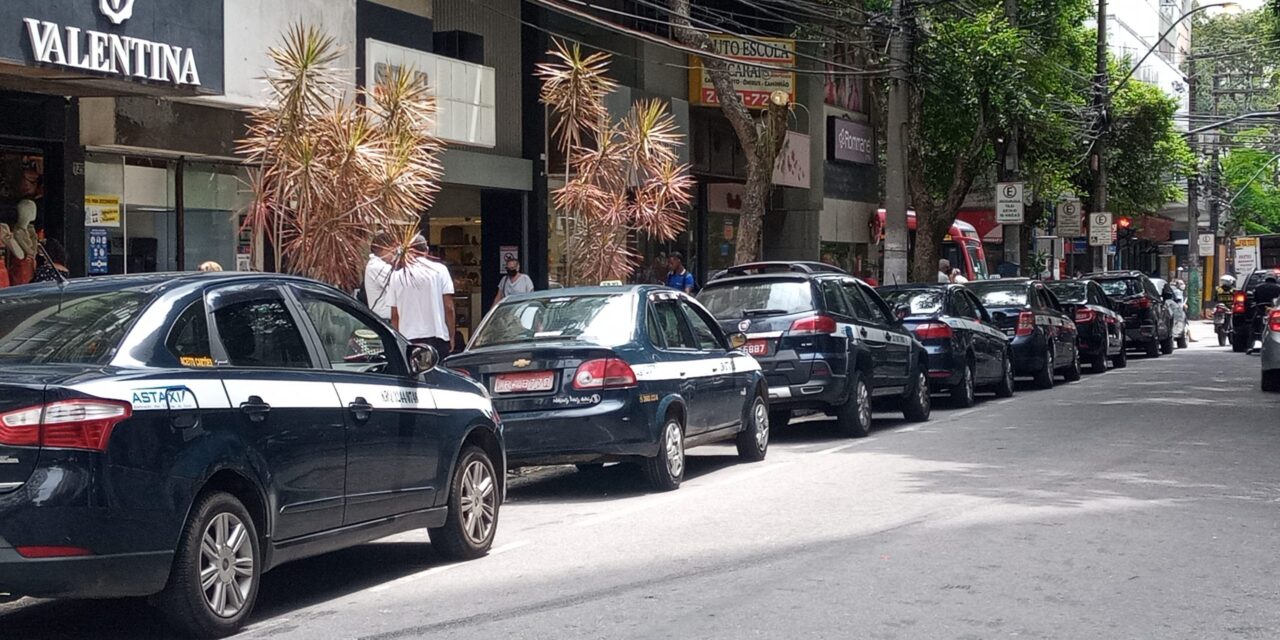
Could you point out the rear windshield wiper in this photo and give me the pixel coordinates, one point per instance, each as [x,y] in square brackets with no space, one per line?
[765,312]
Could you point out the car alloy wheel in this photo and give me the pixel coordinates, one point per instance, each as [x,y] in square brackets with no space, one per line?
[753,440]
[226,565]
[478,501]
[963,394]
[864,406]
[1006,387]
[761,416]
[673,450]
[919,403]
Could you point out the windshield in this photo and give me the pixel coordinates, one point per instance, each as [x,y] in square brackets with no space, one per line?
[1121,288]
[736,299]
[979,265]
[923,302]
[997,295]
[606,320]
[66,328]
[1069,292]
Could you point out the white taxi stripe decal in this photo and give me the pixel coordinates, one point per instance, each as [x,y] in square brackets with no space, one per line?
[447,399]
[699,368]
[284,394]
[386,396]
[160,394]
[767,334]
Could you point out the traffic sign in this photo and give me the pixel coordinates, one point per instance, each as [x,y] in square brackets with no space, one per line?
[1069,222]
[1100,231]
[99,248]
[1009,203]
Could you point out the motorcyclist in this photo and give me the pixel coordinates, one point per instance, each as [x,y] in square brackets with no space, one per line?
[1227,289]
[1222,321]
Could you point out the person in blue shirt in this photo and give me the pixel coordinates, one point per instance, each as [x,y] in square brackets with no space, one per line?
[678,277]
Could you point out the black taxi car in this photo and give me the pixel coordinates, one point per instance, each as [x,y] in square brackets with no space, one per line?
[1148,322]
[825,340]
[178,435]
[1099,327]
[966,350]
[1043,336]
[592,375]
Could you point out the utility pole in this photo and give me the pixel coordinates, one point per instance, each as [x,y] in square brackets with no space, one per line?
[1009,168]
[1100,104]
[1194,294]
[895,201]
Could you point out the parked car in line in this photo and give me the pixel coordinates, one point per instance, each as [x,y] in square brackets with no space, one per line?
[1099,328]
[1148,324]
[1042,335]
[966,350]
[1177,304]
[593,375]
[179,435]
[1244,309]
[825,341]
[1271,353]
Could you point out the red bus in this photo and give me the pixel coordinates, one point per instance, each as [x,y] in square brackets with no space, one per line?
[962,246]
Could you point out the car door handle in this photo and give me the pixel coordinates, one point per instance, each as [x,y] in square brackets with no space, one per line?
[360,409]
[255,408]
[863,332]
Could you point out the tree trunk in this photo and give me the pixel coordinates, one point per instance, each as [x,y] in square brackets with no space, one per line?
[761,139]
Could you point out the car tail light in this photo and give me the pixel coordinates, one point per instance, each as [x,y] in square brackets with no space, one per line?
[465,372]
[1273,320]
[604,373]
[51,552]
[1237,302]
[814,324]
[820,369]
[1142,303]
[933,331]
[1026,323]
[68,424]
[1085,316]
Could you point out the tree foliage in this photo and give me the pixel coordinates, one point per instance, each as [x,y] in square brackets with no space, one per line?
[1147,156]
[1249,175]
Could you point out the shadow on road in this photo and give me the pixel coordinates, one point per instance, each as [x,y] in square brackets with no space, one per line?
[613,482]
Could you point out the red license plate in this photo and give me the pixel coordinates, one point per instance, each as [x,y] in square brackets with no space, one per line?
[757,347]
[524,382]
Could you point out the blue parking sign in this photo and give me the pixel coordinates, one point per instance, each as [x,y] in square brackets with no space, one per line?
[99,247]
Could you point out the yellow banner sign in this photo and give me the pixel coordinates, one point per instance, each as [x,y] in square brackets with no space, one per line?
[753,83]
[102,211]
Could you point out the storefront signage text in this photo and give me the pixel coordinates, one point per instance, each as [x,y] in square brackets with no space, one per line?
[770,57]
[850,141]
[101,211]
[111,53]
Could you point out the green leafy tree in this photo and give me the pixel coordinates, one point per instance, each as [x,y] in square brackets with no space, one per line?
[1147,156]
[1249,175]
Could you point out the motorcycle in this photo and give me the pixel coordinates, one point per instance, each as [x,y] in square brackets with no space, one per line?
[1222,323]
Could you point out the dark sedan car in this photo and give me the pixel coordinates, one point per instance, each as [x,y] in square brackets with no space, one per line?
[1099,328]
[966,350]
[1148,324]
[604,374]
[178,435]
[1043,337]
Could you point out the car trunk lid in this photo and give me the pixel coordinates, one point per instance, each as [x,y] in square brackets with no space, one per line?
[528,377]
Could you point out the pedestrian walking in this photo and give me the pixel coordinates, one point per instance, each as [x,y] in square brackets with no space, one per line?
[677,276]
[944,270]
[514,282]
[421,299]
[377,274]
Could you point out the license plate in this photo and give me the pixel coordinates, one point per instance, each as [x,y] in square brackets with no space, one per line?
[757,347]
[524,382]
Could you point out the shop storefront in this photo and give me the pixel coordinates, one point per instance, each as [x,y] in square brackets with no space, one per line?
[850,191]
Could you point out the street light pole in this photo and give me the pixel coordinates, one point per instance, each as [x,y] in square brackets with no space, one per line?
[896,236]
[1194,294]
[1098,161]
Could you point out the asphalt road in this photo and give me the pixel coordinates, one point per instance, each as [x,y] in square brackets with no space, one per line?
[1139,503]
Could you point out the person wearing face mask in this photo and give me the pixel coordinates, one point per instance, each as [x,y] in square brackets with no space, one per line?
[514,283]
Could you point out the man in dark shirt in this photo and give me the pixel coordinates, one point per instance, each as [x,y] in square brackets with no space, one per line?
[679,277]
[1264,296]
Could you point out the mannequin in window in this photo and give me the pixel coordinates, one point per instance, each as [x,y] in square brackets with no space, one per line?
[22,262]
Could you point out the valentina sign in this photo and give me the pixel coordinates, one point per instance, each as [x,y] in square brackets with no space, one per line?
[112,54]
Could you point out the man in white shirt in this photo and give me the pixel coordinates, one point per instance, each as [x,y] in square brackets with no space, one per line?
[514,282]
[421,297]
[377,274]
[944,270]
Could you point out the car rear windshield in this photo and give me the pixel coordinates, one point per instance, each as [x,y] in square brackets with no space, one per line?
[55,327]
[732,300]
[923,302]
[1257,278]
[1001,295]
[1069,292]
[606,320]
[1121,288]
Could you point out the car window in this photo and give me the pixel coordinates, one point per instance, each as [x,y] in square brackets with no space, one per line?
[607,320]
[189,337]
[1150,288]
[739,299]
[879,314]
[261,333]
[1121,288]
[65,326]
[857,304]
[962,307]
[675,332]
[994,294]
[706,335]
[1072,292]
[920,302]
[1050,300]
[351,342]
[833,297]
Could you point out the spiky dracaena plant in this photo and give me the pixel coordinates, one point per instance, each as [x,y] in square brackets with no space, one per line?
[621,177]
[331,172]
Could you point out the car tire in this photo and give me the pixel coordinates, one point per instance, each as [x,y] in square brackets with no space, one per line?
[962,394]
[1182,340]
[1271,381]
[1098,362]
[753,440]
[665,471]
[1239,345]
[1121,360]
[1222,339]
[779,418]
[1153,348]
[1072,374]
[853,418]
[1166,346]
[221,522]
[589,467]
[917,403]
[1044,377]
[474,500]
[1006,387]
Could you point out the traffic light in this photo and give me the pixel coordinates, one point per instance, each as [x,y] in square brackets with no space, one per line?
[1124,228]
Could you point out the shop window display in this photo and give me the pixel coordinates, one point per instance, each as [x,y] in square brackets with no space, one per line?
[21,209]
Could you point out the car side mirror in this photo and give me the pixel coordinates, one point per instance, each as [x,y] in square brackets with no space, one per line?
[737,340]
[422,358]
[901,312]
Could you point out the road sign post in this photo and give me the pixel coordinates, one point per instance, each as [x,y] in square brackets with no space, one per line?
[1009,205]
[1100,231]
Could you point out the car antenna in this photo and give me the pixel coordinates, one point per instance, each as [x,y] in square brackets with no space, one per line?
[62,279]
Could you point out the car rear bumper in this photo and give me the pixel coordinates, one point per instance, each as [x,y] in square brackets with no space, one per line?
[1091,341]
[813,394]
[804,380]
[1028,355]
[115,576]
[944,366]
[610,430]
[1141,334]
